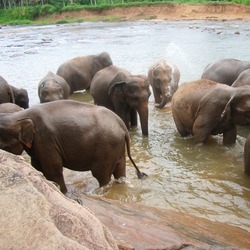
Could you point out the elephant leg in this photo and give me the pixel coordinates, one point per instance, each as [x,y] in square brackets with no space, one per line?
[180,127]
[120,169]
[36,164]
[133,117]
[247,157]
[102,175]
[201,130]
[229,136]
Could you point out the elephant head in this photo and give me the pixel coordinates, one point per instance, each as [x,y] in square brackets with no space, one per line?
[131,95]
[164,78]
[16,135]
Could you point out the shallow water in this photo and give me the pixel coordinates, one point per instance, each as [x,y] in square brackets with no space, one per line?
[206,181]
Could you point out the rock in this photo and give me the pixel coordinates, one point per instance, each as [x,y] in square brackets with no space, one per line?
[36,215]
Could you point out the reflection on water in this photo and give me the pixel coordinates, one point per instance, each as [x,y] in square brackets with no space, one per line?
[206,181]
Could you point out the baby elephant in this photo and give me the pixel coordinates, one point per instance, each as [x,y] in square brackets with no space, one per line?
[203,108]
[164,78]
[69,134]
[53,87]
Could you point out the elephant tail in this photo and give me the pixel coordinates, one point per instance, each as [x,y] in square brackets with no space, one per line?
[140,174]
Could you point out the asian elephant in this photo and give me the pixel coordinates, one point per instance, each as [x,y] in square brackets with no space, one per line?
[225,70]
[164,77]
[53,87]
[203,107]
[21,97]
[123,93]
[242,79]
[78,72]
[71,134]
[247,156]
[6,92]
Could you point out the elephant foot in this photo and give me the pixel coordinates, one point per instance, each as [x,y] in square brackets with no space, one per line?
[121,180]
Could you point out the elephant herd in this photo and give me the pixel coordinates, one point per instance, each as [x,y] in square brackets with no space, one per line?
[63,133]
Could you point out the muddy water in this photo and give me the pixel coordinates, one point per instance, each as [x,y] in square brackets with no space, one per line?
[206,181]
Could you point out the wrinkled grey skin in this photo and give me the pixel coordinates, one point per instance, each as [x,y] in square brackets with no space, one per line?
[202,108]
[164,77]
[66,133]
[6,92]
[225,71]
[9,107]
[21,97]
[242,79]
[78,72]
[53,87]
[247,156]
[123,93]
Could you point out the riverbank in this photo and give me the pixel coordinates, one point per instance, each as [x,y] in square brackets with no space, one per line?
[220,12]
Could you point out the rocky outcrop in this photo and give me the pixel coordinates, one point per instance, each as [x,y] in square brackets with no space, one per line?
[36,215]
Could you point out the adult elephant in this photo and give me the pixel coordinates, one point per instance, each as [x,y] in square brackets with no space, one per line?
[53,87]
[164,78]
[225,70]
[78,72]
[6,92]
[123,93]
[21,97]
[203,107]
[60,134]
[242,79]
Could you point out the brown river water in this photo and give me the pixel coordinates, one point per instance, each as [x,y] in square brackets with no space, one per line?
[207,181]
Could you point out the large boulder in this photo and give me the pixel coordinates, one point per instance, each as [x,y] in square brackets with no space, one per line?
[36,215]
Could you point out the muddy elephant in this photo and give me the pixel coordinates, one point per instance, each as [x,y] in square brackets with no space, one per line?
[242,79]
[9,107]
[21,97]
[60,134]
[225,70]
[164,77]
[78,72]
[6,92]
[123,93]
[53,87]
[202,108]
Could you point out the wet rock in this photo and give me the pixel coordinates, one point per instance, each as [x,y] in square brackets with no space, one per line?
[36,215]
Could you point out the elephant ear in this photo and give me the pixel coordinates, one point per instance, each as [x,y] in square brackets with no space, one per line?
[26,131]
[117,86]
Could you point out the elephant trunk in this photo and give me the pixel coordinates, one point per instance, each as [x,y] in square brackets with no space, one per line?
[165,97]
[143,114]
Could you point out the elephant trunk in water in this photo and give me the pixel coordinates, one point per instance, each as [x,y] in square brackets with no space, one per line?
[143,114]
[165,97]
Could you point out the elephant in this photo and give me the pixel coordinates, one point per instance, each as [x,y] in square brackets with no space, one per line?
[78,72]
[9,107]
[242,79]
[71,134]
[21,97]
[123,93]
[6,92]
[203,107]
[247,156]
[53,87]
[164,78]
[225,70]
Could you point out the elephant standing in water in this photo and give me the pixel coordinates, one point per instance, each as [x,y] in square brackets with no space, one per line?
[6,92]
[78,72]
[225,71]
[203,107]
[124,93]
[164,77]
[53,87]
[60,134]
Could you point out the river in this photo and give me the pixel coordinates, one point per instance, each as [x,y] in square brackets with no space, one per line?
[206,181]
